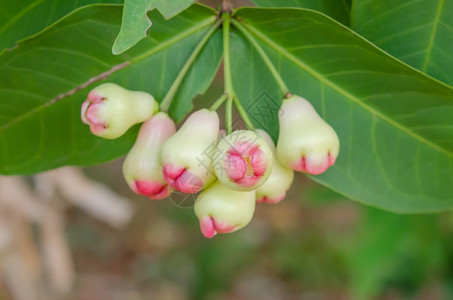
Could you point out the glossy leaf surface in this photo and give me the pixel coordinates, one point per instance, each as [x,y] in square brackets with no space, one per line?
[419,32]
[393,122]
[337,9]
[136,21]
[22,18]
[45,80]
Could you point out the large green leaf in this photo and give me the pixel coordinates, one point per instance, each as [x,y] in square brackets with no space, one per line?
[22,18]
[170,8]
[419,32]
[394,123]
[136,22]
[45,80]
[337,9]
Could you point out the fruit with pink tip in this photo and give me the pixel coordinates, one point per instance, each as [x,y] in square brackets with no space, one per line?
[306,142]
[279,181]
[142,168]
[243,160]
[187,155]
[111,110]
[223,210]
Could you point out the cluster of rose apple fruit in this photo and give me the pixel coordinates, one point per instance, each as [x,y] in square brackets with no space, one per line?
[234,170]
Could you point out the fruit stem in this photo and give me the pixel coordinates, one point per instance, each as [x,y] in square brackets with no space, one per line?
[243,114]
[229,115]
[218,102]
[281,84]
[165,104]
[226,56]
[228,82]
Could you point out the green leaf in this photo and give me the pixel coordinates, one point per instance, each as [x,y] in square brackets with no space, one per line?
[418,32]
[337,9]
[394,123]
[22,18]
[170,8]
[198,78]
[46,79]
[134,26]
[136,23]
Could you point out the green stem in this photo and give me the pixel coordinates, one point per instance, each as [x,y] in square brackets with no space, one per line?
[229,115]
[229,90]
[281,84]
[243,114]
[165,104]
[218,102]
[226,56]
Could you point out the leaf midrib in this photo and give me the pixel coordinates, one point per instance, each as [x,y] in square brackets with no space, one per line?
[345,93]
[159,47]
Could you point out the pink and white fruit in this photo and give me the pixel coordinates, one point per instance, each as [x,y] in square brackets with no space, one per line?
[306,142]
[142,168]
[187,155]
[243,160]
[111,110]
[223,210]
[275,187]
